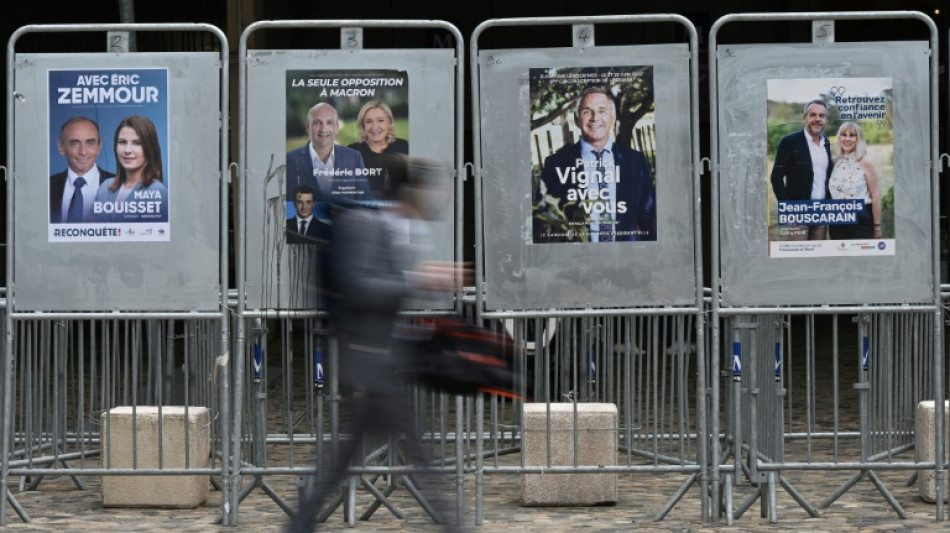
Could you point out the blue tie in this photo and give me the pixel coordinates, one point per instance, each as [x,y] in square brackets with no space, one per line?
[605,231]
[75,205]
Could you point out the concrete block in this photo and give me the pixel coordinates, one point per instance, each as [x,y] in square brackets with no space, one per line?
[182,491]
[597,446]
[926,449]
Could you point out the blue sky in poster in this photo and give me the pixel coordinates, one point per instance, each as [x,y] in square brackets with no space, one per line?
[133,92]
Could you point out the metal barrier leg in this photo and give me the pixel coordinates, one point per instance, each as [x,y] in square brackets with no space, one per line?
[259,354]
[382,498]
[349,501]
[693,478]
[736,445]
[863,386]
[773,507]
[777,414]
[479,457]
[747,504]
[17,508]
[887,494]
[727,489]
[852,481]
[793,492]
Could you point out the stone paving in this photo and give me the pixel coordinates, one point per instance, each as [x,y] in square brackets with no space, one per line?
[58,505]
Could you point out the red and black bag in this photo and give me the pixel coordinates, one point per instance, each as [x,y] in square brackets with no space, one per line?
[462,358]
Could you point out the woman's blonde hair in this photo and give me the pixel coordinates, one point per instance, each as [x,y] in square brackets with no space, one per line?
[376,104]
[860,147]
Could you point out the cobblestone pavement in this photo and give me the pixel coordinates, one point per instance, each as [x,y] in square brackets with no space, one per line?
[59,506]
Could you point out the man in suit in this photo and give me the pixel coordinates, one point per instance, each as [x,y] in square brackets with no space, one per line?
[329,169]
[803,166]
[71,191]
[605,190]
[303,227]
[373,266]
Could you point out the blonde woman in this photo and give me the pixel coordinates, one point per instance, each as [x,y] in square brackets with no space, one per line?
[855,178]
[377,137]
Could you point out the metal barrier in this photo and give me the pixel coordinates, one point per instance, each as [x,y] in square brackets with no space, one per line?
[77,346]
[69,374]
[294,414]
[896,344]
[646,365]
[579,342]
[788,364]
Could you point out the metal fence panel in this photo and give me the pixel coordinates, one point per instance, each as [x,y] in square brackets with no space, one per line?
[97,276]
[749,275]
[67,374]
[586,316]
[146,335]
[293,413]
[281,276]
[884,360]
[523,275]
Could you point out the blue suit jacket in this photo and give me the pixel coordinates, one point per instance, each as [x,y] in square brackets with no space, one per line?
[57,185]
[104,195]
[792,173]
[635,187]
[300,172]
[311,236]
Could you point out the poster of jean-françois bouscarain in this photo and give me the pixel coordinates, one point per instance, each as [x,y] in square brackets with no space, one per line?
[831,167]
[593,154]
[108,155]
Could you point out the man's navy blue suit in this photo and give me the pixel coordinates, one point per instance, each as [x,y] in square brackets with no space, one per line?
[792,173]
[57,185]
[311,234]
[300,172]
[635,187]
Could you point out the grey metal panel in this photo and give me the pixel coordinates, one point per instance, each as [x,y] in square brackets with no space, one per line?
[520,275]
[748,275]
[181,274]
[282,277]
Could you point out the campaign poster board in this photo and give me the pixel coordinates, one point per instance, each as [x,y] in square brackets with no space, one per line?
[542,189]
[155,247]
[762,94]
[283,88]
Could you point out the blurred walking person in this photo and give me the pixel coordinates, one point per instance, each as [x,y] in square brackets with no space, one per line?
[372,269]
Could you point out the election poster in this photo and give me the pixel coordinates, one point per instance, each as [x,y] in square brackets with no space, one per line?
[342,128]
[593,154]
[108,155]
[831,167]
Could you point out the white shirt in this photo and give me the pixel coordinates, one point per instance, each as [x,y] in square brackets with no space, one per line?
[323,172]
[88,191]
[590,167]
[819,165]
[307,220]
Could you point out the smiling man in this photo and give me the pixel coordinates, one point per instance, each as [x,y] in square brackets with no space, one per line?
[802,167]
[604,189]
[329,169]
[71,191]
[303,227]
